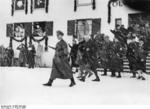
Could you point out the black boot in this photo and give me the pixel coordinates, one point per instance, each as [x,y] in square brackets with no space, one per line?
[97,77]
[90,74]
[72,82]
[82,79]
[113,74]
[105,72]
[49,83]
[134,74]
[119,75]
[143,78]
[139,77]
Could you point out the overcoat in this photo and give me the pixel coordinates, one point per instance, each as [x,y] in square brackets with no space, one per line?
[61,67]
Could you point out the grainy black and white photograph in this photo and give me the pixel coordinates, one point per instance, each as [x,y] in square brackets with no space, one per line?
[74,52]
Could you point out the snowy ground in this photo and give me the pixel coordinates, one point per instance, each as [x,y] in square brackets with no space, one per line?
[24,86]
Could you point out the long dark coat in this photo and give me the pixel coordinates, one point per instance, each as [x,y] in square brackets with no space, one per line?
[22,55]
[116,60]
[31,56]
[73,55]
[104,55]
[61,68]
[131,55]
[91,54]
[141,55]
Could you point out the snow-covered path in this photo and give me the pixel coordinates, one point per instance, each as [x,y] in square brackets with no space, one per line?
[24,86]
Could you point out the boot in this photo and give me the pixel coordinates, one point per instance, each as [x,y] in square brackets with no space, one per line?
[96,80]
[134,74]
[143,78]
[49,83]
[119,75]
[82,79]
[105,72]
[72,82]
[113,74]
[139,77]
[90,74]
[76,70]
[97,77]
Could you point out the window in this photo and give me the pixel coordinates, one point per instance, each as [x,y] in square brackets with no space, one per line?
[118,22]
[83,27]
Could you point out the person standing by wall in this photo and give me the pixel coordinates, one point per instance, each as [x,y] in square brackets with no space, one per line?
[10,56]
[22,55]
[31,55]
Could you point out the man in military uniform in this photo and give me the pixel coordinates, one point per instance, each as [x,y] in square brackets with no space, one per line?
[105,54]
[22,55]
[31,55]
[116,60]
[73,54]
[141,55]
[131,55]
[10,56]
[61,68]
[91,55]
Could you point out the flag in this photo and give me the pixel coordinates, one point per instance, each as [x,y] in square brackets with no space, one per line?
[28,29]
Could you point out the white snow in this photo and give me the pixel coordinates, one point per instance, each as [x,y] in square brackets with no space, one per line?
[24,86]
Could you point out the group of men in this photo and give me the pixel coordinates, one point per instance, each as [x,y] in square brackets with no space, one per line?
[99,51]
[27,55]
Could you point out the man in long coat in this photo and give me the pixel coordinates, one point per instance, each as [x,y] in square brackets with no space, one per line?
[116,60]
[10,56]
[22,55]
[61,68]
[91,50]
[31,55]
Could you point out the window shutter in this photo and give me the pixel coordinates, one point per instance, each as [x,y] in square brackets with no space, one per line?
[28,29]
[49,28]
[9,31]
[96,25]
[71,27]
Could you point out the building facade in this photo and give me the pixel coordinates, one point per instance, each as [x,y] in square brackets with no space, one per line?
[77,17]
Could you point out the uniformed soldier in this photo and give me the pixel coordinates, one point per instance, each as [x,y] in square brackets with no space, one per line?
[105,54]
[131,55]
[10,56]
[61,67]
[73,54]
[90,55]
[141,55]
[22,55]
[31,55]
[116,60]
